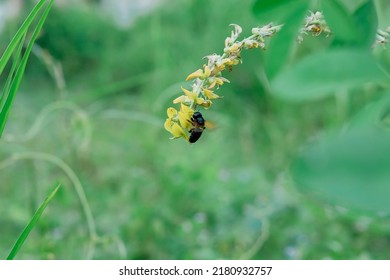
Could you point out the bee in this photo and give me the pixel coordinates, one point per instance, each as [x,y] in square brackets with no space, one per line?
[198,123]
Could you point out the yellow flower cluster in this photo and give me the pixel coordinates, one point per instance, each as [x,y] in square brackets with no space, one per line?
[209,78]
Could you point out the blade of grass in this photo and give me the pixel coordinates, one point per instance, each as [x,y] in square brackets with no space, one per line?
[11,74]
[20,71]
[23,236]
[19,34]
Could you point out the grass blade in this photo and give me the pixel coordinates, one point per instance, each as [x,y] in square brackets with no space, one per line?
[19,34]
[20,71]
[23,236]
[11,75]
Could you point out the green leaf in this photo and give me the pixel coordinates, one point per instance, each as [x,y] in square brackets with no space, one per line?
[373,114]
[23,236]
[340,21]
[282,44]
[291,14]
[21,67]
[351,170]
[324,73]
[352,28]
[366,21]
[275,11]
[353,5]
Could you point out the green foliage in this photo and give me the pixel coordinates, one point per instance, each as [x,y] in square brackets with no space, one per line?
[291,14]
[357,28]
[231,194]
[277,11]
[350,169]
[324,73]
[366,21]
[73,35]
[34,220]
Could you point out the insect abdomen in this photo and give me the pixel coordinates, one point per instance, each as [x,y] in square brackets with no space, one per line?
[194,136]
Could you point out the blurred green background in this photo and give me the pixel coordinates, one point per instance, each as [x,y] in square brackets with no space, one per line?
[90,114]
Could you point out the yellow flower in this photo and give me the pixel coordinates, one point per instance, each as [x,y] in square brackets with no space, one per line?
[221,80]
[188,98]
[217,81]
[172,126]
[210,94]
[185,115]
[168,124]
[181,99]
[218,68]
[197,74]
[201,74]
[230,62]
[171,112]
[175,129]
[222,62]
[207,103]
[251,44]
[234,48]
[236,61]
[190,94]
[207,71]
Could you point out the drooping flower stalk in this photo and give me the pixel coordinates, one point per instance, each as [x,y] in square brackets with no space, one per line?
[208,79]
